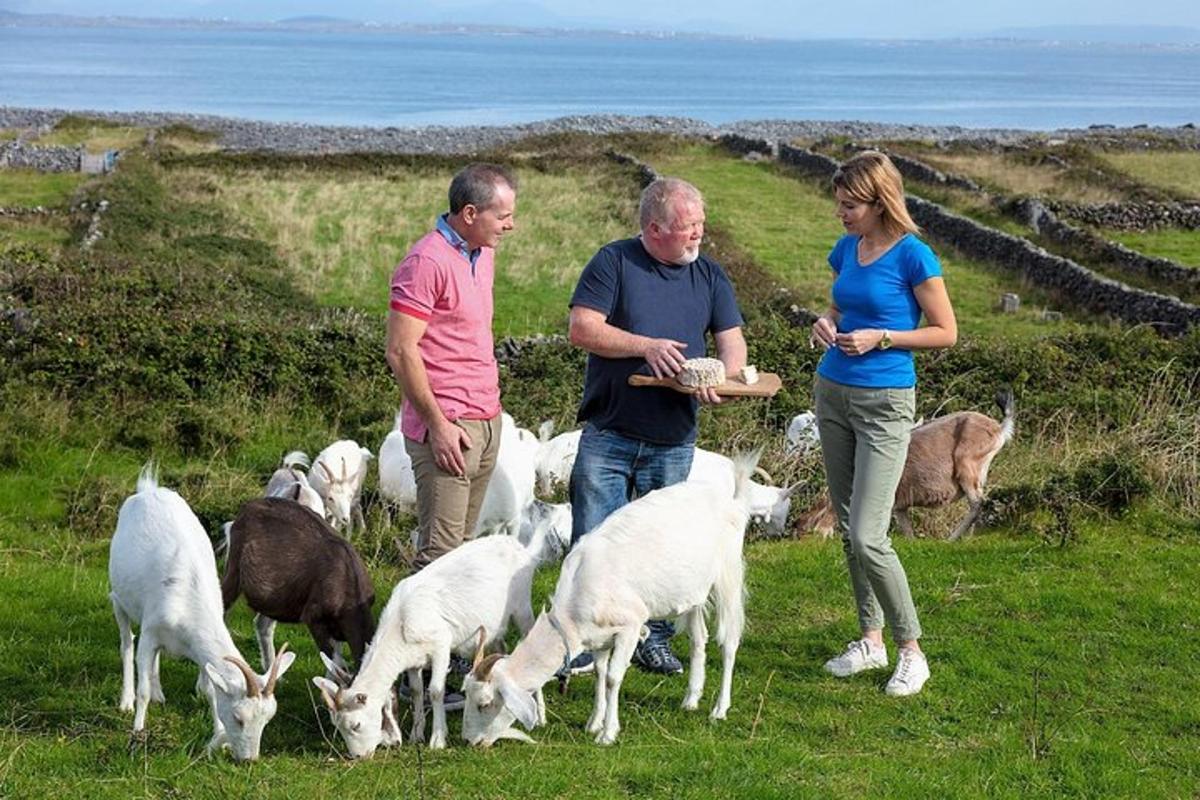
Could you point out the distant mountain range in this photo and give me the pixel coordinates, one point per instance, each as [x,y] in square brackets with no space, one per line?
[527,17]
[1110,34]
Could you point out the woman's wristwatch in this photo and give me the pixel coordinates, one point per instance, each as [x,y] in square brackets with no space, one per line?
[885,341]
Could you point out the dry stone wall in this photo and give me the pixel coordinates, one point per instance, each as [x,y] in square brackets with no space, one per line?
[1063,276]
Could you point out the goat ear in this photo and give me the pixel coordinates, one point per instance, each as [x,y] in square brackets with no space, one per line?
[216,678]
[520,702]
[545,430]
[282,663]
[328,690]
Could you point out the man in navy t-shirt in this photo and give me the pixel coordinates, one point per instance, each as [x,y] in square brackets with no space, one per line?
[644,305]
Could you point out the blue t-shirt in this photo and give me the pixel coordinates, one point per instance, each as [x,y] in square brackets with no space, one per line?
[878,295]
[637,293]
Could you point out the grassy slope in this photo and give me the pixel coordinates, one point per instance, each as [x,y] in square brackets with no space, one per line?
[1177,172]
[343,235]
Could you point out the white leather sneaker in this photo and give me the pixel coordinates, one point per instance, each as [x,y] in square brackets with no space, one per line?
[859,655]
[912,670]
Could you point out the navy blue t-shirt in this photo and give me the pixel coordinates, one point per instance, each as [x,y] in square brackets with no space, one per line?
[636,293]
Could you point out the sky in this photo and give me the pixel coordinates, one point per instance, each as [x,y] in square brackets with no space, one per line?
[884,19]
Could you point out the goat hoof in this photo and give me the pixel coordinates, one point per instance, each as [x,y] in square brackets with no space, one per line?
[437,742]
[691,703]
[718,713]
[125,704]
[605,738]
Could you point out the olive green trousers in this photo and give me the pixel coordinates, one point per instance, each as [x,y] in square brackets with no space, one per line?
[864,439]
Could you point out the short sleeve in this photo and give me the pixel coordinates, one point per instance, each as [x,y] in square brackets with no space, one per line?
[922,263]
[725,312]
[597,287]
[417,285]
[837,255]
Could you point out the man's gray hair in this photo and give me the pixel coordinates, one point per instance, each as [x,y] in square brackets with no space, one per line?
[475,185]
[658,200]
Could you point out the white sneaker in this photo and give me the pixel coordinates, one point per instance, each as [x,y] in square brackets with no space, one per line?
[859,655]
[912,670]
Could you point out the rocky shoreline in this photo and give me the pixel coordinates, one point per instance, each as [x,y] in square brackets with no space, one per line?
[242,135]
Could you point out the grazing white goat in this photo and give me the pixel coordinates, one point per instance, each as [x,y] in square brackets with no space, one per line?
[472,591]
[555,457]
[510,489]
[948,458]
[338,474]
[164,580]
[663,555]
[397,482]
[769,505]
[290,482]
[802,434]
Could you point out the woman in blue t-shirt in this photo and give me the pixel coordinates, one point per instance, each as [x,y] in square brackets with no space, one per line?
[885,279]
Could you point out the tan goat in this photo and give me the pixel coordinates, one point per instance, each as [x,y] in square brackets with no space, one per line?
[948,458]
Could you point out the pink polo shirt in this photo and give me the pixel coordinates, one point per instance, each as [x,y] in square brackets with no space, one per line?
[435,283]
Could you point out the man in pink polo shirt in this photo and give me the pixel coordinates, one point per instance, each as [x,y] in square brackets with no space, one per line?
[439,346]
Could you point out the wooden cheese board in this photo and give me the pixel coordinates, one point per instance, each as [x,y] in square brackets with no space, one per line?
[768,384]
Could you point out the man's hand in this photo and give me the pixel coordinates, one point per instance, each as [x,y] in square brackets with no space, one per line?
[707,395]
[665,357]
[448,442]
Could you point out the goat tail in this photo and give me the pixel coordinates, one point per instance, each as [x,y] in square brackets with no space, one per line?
[1004,399]
[222,547]
[729,597]
[744,466]
[148,478]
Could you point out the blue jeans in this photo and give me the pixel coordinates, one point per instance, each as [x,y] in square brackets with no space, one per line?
[611,469]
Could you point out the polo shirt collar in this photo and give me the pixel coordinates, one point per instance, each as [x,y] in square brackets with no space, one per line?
[455,240]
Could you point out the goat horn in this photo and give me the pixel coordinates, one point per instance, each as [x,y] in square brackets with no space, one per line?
[321,465]
[252,689]
[479,649]
[766,476]
[345,475]
[274,676]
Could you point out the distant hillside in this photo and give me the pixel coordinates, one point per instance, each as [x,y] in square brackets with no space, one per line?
[1113,34]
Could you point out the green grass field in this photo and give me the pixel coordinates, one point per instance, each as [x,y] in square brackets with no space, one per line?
[1178,172]
[239,309]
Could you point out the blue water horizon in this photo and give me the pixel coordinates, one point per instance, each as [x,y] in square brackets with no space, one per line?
[403,79]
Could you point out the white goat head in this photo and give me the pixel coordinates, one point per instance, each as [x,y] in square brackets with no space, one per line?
[360,724]
[243,702]
[338,679]
[546,530]
[337,475]
[494,702]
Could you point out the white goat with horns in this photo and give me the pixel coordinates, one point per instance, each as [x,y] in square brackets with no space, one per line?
[663,555]
[337,474]
[474,590]
[164,580]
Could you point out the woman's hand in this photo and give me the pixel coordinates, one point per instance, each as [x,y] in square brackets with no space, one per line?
[824,332]
[860,341]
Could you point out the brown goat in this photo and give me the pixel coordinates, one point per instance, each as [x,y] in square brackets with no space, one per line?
[948,458]
[292,567]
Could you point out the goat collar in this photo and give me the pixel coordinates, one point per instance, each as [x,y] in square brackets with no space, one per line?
[566,666]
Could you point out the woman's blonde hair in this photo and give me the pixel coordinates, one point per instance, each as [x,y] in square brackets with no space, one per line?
[871,177]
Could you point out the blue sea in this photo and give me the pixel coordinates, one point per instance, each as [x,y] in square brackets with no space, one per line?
[403,79]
